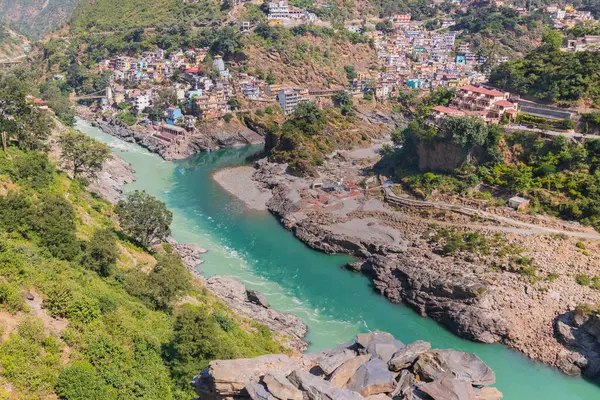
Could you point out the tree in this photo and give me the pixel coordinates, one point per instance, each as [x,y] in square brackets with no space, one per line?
[84,154]
[350,72]
[35,130]
[166,98]
[101,252]
[466,132]
[144,217]
[552,40]
[55,223]
[168,280]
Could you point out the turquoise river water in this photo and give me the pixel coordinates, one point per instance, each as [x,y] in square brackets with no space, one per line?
[334,303]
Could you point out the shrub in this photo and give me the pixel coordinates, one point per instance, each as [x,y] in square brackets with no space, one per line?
[583,279]
[552,277]
[580,245]
[228,117]
[595,283]
[58,300]
[11,297]
[80,381]
[34,169]
[101,252]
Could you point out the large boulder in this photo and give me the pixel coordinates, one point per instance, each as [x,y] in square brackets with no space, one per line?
[256,391]
[378,344]
[318,389]
[467,366]
[404,358]
[280,387]
[372,377]
[449,388]
[344,372]
[332,360]
[230,377]
[405,382]
[258,298]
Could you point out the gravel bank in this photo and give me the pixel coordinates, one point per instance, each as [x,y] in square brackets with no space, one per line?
[238,181]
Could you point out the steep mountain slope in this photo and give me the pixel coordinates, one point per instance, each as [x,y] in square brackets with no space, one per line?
[34,18]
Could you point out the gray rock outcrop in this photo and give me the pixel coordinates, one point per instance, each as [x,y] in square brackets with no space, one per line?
[400,272]
[580,333]
[350,372]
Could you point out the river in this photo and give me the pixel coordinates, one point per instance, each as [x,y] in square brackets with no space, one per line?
[335,304]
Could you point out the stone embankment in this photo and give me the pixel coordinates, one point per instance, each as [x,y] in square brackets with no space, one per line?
[209,136]
[375,366]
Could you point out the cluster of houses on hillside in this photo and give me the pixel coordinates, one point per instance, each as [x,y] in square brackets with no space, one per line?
[568,17]
[420,59]
[203,91]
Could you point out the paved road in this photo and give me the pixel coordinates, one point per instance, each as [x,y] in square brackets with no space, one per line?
[524,227]
[573,135]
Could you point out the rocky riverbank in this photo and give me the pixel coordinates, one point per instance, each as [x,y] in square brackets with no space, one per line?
[375,366]
[482,296]
[208,136]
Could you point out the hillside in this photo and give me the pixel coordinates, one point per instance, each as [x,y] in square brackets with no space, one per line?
[86,310]
[114,16]
[12,44]
[552,75]
[35,18]
[313,58]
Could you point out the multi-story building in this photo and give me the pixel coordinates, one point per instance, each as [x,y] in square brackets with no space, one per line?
[586,43]
[279,10]
[141,102]
[489,104]
[289,98]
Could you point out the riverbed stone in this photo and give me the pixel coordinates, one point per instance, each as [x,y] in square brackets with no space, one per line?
[378,344]
[487,393]
[467,366]
[258,298]
[229,377]
[405,381]
[256,391]
[332,360]
[318,389]
[372,377]
[344,372]
[279,386]
[449,388]
[403,358]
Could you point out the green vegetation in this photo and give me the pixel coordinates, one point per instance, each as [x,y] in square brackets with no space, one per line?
[299,140]
[583,279]
[144,218]
[105,15]
[34,18]
[83,154]
[131,332]
[553,75]
[502,28]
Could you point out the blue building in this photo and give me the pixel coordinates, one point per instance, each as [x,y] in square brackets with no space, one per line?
[461,60]
[415,83]
[173,115]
